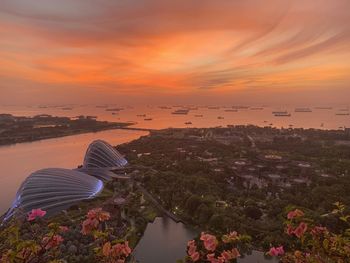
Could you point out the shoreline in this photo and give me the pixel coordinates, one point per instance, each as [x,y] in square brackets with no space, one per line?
[63,135]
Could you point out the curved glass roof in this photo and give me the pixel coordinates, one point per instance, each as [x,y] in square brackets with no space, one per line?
[101,154]
[54,189]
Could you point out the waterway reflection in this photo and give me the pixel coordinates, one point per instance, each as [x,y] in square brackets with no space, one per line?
[164,241]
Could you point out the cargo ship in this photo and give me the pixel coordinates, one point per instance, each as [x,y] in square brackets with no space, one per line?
[181,112]
[303,110]
[281,114]
[115,109]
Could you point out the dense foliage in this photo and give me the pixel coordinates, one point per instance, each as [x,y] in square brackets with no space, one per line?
[173,170]
[34,239]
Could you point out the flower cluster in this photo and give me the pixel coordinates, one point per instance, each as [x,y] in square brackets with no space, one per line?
[315,243]
[116,253]
[94,217]
[276,251]
[210,249]
[45,239]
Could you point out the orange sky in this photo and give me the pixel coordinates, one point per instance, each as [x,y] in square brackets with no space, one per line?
[157,50]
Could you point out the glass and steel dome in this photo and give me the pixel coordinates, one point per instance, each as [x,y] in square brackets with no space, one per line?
[53,190]
[101,154]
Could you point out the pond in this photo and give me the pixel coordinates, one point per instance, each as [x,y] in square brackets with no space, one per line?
[164,241]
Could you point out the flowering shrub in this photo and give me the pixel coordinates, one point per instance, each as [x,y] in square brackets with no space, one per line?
[109,252]
[315,243]
[115,253]
[211,249]
[42,245]
[94,218]
[41,241]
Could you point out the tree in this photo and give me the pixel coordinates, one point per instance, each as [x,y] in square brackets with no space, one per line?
[216,222]
[204,213]
[253,212]
[192,203]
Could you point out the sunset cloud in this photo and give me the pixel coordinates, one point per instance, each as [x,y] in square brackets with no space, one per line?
[173,47]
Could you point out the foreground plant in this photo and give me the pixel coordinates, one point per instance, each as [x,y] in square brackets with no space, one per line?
[116,251]
[41,241]
[314,243]
[42,244]
[211,249]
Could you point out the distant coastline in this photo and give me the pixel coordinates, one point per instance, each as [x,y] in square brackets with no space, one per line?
[18,129]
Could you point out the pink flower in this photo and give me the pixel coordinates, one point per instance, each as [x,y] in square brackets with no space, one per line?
[125,249]
[227,255]
[195,256]
[276,251]
[118,250]
[191,243]
[210,241]
[300,230]
[295,213]
[36,213]
[290,230]
[280,250]
[192,249]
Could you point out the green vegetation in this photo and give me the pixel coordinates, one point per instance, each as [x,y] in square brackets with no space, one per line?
[192,172]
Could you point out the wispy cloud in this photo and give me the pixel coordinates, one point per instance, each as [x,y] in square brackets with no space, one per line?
[175,46]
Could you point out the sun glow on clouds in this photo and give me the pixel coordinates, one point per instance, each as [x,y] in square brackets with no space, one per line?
[170,47]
